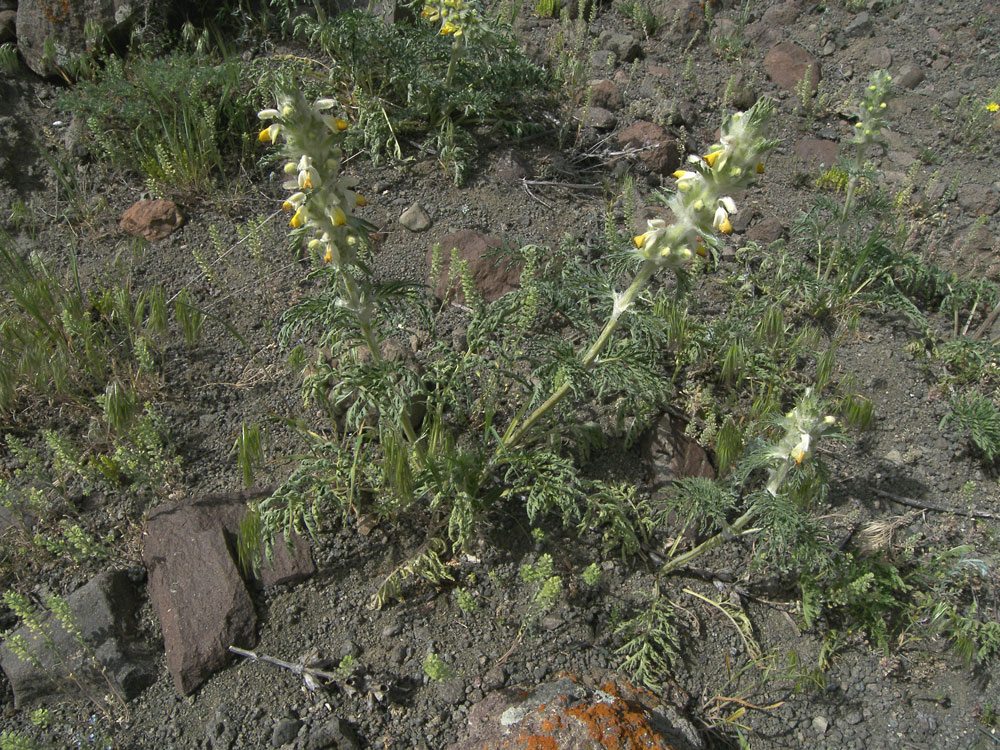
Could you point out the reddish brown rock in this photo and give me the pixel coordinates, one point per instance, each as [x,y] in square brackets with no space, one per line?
[766,231]
[493,276]
[605,94]
[196,588]
[816,152]
[661,152]
[787,64]
[152,220]
[670,454]
[782,14]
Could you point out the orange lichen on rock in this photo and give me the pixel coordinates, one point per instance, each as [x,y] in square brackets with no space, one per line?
[617,725]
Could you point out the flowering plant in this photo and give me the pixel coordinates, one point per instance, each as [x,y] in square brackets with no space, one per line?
[322,200]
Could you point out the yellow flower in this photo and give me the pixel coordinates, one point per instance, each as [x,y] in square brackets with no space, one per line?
[269,133]
[712,157]
[656,229]
[721,221]
[992,107]
[298,219]
[449,28]
[684,178]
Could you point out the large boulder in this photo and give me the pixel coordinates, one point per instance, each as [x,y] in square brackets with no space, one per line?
[51,34]
[93,652]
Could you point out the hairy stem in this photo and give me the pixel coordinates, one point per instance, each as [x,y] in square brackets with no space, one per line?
[589,359]
[711,543]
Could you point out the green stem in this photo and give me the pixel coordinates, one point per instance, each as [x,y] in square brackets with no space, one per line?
[852,185]
[362,309]
[589,359]
[450,74]
[711,543]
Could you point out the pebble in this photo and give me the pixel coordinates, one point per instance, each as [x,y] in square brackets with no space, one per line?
[415,218]
[285,730]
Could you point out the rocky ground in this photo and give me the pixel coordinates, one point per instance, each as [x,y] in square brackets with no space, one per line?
[555,673]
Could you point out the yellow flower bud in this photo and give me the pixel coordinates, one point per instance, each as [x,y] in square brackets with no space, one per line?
[712,157]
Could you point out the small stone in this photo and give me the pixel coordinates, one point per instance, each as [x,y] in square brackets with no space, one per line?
[285,730]
[787,64]
[152,220]
[605,94]
[816,152]
[908,77]
[782,14]
[597,118]
[894,457]
[860,25]
[415,218]
[766,231]
[820,724]
[879,58]
[511,166]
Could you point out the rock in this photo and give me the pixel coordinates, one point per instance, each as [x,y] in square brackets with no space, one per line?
[979,199]
[8,26]
[625,46]
[104,612]
[820,724]
[766,231]
[782,14]
[597,118]
[860,26]
[879,58]
[602,60]
[742,92]
[415,218]
[195,586]
[569,716]
[285,730]
[605,94]
[669,454]
[787,63]
[335,734]
[511,166]
[492,278]
[152,220]
[908,77]
[199,598]
[816,153]
[661,152]
[220,732]
[63,27]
